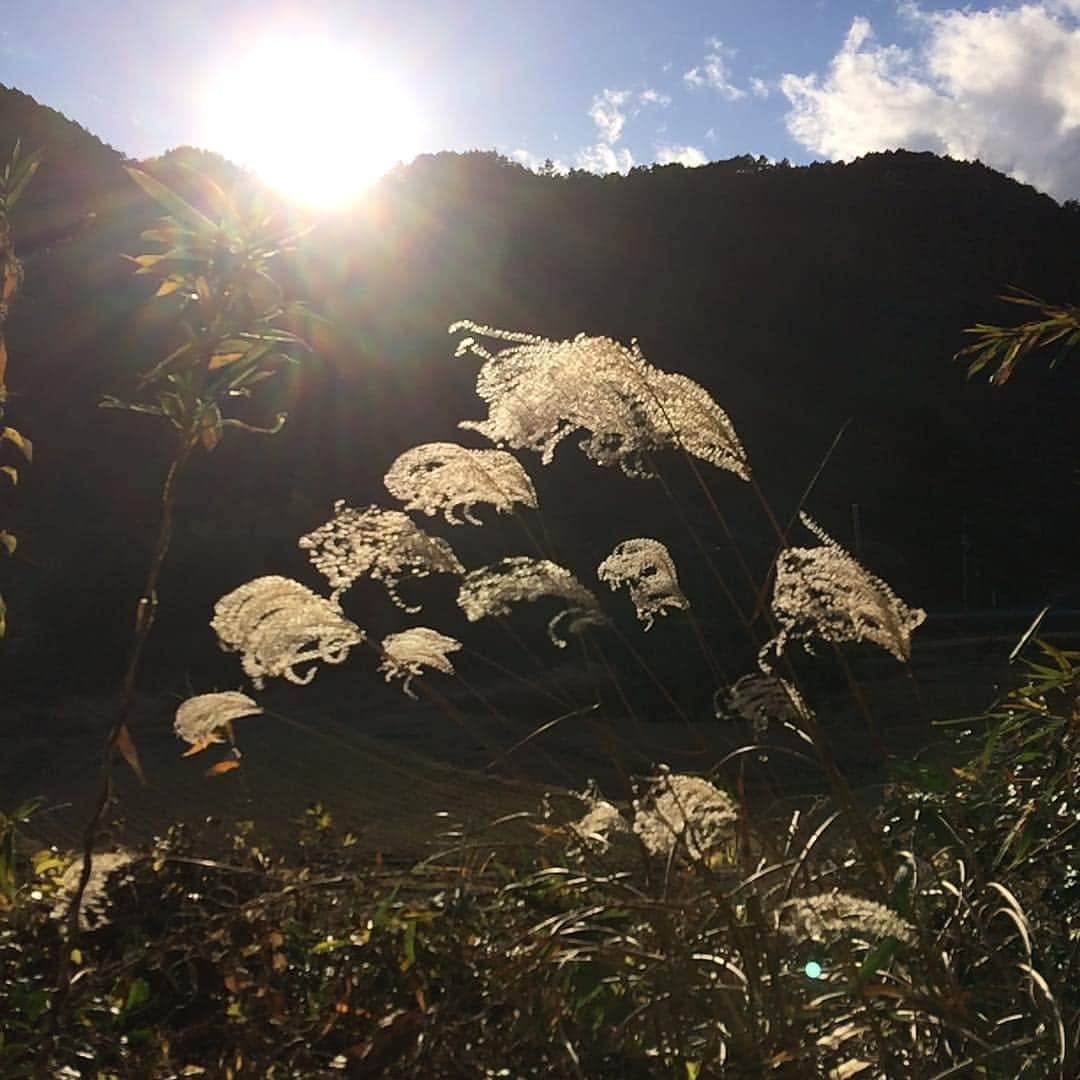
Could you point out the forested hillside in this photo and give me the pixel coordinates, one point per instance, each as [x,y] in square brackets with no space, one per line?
[802,298]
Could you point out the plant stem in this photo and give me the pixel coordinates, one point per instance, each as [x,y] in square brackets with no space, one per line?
[118,739]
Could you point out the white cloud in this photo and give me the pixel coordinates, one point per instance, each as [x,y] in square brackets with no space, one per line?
[610,110]
[608,114]
[690,156]
[761,89]
[713,72]
[654,97]
[604,159]
[1001,85]
[535,163]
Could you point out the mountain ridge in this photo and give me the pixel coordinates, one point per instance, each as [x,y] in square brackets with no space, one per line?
[802,297]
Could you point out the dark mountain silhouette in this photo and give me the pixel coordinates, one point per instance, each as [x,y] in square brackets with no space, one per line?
[802,298]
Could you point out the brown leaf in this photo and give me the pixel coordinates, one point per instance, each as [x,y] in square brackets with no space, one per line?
[129,753]
[223,767]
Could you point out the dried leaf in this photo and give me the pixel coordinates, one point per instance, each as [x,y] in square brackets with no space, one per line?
[223,767]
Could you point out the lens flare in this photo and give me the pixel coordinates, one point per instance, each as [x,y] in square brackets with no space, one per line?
[318,121]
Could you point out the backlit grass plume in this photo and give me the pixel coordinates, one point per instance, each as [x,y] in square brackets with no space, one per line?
[201,720]
[493,590]
[822,592]
[93,898]
[386,545]
[762,699]
[685,810]
[539,391]
[828,916]
[277,624]
[405,655]
[646,568]
[442,476]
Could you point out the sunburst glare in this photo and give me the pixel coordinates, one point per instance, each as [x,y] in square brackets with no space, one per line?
[315,120]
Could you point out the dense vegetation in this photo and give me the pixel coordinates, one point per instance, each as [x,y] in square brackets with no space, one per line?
[669,924]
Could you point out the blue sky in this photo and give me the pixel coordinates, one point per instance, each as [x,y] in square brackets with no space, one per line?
[599,85]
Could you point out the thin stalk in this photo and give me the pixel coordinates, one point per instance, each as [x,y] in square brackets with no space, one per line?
[511,633]
[653,677]
[700,545]
[118,739]
[536,687]
[506,722]
[443,704]
[748,574]
[782,534]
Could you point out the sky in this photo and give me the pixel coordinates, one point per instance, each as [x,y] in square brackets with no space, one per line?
[589,84]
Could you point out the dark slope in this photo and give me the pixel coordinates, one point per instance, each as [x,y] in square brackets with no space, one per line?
[799,297]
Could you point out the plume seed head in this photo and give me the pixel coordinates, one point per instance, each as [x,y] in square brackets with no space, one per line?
[276,624]
[822,592]
[685,810]
[386,545]
[440,477]
[646,568]
[406,654]
[492,590]
[539,391]
[200,720]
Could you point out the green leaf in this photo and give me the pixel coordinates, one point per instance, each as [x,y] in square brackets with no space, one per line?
[16,183]
[138,992]
[878,958]
[218,201]
[178,208]
[171,362]
[409,946]
[110,402]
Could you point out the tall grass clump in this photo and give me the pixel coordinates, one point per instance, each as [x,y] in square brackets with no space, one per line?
[682,923]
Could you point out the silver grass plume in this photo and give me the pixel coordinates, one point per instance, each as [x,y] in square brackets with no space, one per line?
[201,719]
[386,545]
[822,592]
[539,391]
[599,826]
[442,476]
[405,655]
[276,624]
[94,909]
[647,569]
[828,916]
[763,699]
[492,590]
[684,810]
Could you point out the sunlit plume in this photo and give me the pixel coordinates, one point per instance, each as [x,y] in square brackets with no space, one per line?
[316,120]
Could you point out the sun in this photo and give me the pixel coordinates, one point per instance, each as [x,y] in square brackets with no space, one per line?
[315,120]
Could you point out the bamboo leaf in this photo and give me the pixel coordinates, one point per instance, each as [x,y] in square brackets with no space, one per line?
[21,442]
[178,208]
[171,362]
[169,285]
[16,185]
[11,472]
